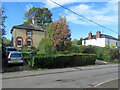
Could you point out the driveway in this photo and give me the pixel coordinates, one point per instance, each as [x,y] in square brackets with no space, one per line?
[77,77]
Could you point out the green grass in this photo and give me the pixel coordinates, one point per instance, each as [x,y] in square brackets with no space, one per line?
[27,52]
[40,52]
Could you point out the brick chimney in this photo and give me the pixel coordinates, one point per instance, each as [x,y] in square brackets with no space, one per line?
[118,36]
[98,34]
[34,20]
[89,35]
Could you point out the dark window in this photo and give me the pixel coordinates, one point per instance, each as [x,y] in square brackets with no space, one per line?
[84,42]
[16,55]
[29,42]
[116,43]
[11,49]
[19,42]
[108,41]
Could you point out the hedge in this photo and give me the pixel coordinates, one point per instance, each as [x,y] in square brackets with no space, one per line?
[60,61]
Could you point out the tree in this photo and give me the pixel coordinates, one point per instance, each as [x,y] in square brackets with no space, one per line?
[79,42]
[2,21]
[74,41]
[43,15]
[59,33]
[6,42]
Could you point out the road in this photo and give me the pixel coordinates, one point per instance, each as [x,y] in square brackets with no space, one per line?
[77,77]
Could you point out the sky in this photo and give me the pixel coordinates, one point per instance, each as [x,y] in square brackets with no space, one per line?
[104,13]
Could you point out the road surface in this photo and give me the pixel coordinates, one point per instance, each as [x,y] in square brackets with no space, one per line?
[77,77]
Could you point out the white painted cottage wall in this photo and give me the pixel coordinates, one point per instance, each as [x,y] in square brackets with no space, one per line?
[95,42]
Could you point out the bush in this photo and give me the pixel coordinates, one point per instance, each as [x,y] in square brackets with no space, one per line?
[24,48]
[102,53]
[46,46]
[107,46]
[82,49]
[112,46]
[33,48]
[61,60]
[107,54]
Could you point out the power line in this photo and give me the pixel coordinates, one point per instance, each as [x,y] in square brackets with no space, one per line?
[84,17]
[21,6]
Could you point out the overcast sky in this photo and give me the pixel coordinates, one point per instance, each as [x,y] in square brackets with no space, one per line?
[104,13]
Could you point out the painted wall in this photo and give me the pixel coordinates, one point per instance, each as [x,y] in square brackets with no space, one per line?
[100,42]
[36,36]
[95,42]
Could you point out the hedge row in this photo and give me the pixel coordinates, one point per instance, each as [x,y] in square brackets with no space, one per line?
[60,61]
[102,53]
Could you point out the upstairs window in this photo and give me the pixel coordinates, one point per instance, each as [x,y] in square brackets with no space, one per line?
[28,33]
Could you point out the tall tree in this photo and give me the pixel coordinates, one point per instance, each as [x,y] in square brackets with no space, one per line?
[2,21]
[43,15]
[79,42]
[74,42]
[60,34]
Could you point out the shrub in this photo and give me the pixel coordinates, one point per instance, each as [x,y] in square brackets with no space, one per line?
[62,60]
[24,48]
[112,46]
[46,46]
[33,48]
[89,49]
[107,54]
[107,46]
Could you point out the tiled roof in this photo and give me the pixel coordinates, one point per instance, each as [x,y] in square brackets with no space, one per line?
[31,26]
[102,36]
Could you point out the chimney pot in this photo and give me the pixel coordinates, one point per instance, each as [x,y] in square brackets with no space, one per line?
[98,34]
[89,35]
[34,20]
[118,36]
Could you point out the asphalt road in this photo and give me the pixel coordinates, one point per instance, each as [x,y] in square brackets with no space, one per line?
[110,84]
[77,77]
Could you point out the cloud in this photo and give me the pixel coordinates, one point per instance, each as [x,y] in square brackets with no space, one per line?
[106,15]
[51,5]
[75,19]
[28,7]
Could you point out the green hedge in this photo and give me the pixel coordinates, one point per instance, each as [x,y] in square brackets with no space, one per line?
[60,61]
[107,54]
[102,53]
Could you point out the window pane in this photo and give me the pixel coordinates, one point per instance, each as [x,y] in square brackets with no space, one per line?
[11,49]
[28,43]
[28,33]
[19,42]
[16,55]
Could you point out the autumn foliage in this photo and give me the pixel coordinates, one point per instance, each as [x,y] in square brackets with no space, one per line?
[61,35]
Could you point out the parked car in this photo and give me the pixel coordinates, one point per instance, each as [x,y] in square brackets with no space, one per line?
[8,49]
[15,57]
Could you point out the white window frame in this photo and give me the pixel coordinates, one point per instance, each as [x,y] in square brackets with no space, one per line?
[21,42]
[29,33]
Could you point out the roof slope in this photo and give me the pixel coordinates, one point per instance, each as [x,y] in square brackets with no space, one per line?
[31,26]
[102,36]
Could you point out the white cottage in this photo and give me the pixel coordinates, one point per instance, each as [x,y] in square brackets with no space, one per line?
[101,40]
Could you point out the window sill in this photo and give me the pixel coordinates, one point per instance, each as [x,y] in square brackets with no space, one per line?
[19,46]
